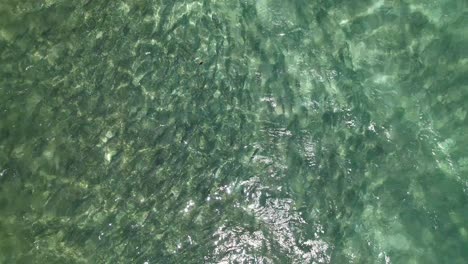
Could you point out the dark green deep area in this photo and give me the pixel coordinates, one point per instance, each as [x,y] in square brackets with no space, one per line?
[241,131]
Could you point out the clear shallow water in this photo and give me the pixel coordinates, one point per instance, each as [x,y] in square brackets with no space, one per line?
[239,132]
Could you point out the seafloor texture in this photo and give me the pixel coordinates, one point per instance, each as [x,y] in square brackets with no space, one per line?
[240,131]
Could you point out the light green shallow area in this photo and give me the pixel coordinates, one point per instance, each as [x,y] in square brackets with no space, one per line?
[241,131]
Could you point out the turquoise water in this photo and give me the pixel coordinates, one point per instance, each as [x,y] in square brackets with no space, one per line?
[243,131]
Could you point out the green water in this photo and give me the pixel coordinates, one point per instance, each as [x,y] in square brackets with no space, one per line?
[240,131]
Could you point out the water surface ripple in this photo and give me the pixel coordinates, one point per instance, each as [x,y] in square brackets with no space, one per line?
[243,131]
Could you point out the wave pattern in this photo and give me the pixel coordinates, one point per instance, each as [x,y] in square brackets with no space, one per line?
[264,131]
